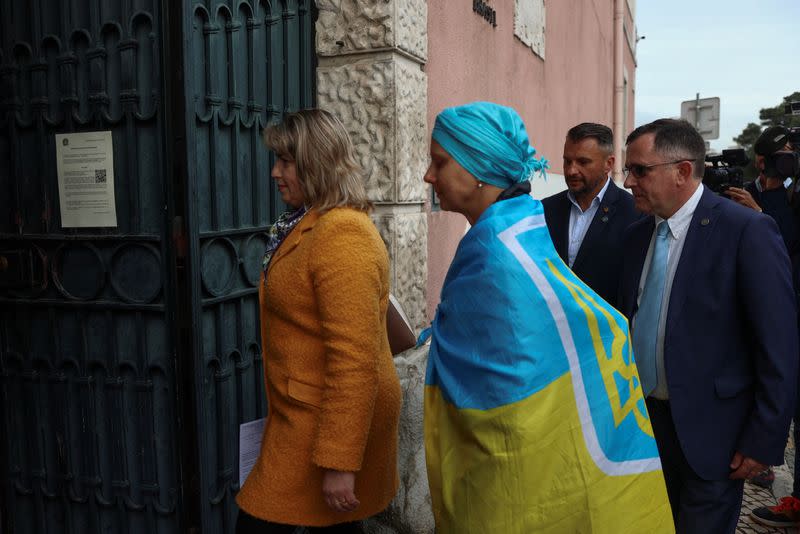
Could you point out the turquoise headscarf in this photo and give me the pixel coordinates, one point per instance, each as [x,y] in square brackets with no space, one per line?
[490,142]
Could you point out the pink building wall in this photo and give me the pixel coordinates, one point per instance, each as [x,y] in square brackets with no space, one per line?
[469,60]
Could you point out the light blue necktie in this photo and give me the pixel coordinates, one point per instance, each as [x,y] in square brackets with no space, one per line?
[645,331]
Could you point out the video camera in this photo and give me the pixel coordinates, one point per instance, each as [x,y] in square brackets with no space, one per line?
[794,138]
[726,170]
[784,164]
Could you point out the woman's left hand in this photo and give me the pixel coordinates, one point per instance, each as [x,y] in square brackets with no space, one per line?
[338,488]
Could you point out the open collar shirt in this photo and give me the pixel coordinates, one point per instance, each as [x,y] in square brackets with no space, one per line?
[580,220]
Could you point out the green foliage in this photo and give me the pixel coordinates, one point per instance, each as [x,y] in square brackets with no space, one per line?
[748,136]
[746,140]
[768,117]
[772,116]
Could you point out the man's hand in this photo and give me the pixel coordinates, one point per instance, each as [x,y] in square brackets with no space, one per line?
[745,467]
[338,489]
[743,197]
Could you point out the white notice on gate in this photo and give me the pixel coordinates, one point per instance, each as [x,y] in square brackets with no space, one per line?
[249,446]
[85,166]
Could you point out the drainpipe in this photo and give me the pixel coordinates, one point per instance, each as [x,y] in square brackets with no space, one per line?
[619,86]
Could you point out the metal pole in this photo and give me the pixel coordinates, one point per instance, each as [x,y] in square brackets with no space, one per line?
[697,112]
[619,87]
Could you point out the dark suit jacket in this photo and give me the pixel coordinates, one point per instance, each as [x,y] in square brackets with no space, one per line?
[731,343]
[599,259]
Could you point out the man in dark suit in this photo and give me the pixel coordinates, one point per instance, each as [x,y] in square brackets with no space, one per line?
[707,286]
[587,221]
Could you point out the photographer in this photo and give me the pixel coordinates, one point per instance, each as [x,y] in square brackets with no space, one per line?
[770,192]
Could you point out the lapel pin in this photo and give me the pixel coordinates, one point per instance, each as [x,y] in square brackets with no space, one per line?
[705,222]
[605,218]
[605,209]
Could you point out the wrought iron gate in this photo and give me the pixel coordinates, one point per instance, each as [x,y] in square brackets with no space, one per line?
[129,355]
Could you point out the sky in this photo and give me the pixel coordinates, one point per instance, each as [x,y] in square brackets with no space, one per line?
[746,52]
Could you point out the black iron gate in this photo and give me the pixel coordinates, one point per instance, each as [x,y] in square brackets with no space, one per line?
[129,355]
[268,50]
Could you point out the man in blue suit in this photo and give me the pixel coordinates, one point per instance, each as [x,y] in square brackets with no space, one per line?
[588,220]
[707,286]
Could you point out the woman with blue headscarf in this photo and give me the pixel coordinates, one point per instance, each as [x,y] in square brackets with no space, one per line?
[534,416]
[464,178]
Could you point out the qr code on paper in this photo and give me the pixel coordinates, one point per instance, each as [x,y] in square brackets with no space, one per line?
[100,176]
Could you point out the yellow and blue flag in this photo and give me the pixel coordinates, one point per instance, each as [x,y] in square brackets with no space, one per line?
[534,415]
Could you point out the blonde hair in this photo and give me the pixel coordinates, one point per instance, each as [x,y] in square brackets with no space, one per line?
[324,156]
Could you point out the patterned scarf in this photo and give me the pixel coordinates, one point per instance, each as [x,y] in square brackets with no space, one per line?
[278,232]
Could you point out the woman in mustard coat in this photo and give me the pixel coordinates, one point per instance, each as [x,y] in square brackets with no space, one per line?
[329,451]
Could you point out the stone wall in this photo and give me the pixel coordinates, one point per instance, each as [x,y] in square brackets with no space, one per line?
[410,512]
[370,57]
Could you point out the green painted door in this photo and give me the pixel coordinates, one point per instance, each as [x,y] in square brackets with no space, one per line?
[245,65]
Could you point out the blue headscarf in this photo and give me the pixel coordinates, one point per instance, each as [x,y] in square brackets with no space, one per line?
[490,142]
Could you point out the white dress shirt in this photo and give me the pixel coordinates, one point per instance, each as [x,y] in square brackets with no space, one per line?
[580,220]
[678,228]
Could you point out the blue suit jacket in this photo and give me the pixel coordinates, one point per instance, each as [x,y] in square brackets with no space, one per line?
[599,258]
[731,343]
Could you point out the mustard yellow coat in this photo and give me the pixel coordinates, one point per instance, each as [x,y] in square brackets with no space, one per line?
[332,389]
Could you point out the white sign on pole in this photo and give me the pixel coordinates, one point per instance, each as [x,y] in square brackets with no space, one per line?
[703,113]
[85,167]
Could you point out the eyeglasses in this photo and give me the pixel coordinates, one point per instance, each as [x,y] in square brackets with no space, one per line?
[640,171]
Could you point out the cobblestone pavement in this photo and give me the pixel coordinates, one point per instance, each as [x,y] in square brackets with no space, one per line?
[755,496]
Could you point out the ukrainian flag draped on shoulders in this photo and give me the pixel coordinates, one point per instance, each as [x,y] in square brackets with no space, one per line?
[534,416]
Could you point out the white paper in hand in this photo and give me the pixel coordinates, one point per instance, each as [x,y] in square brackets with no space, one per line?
[249,446]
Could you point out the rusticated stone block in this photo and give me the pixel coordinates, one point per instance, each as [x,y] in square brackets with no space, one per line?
[411,266]
[385,118]
[406,238]
[347,26]
[412,132]
[361,94]
[412,27]
[385,225]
